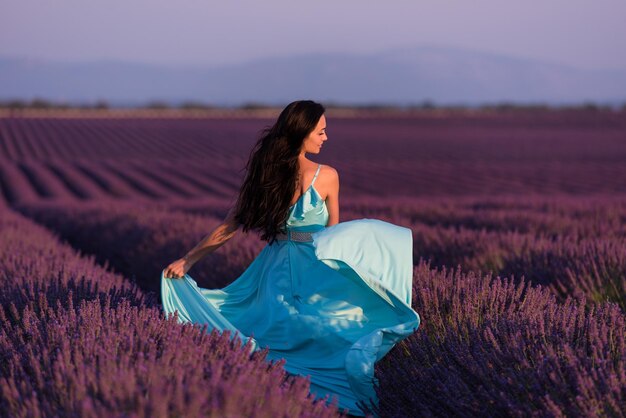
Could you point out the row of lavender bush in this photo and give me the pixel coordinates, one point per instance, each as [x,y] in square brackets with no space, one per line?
[77,340]
[37,271]
[491,347]
[140,241]
[575,247]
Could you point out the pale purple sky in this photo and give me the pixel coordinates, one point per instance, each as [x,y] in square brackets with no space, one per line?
[582,33]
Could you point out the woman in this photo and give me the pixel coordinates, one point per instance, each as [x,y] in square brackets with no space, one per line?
[330,298]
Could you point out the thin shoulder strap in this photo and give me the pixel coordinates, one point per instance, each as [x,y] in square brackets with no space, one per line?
[315,176]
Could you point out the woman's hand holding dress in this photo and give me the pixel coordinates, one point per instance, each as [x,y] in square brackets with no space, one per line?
[177,269]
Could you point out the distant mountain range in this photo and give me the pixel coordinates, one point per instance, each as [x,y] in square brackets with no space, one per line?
[401,76]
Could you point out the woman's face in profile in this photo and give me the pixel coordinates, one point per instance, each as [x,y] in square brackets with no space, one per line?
[314,141]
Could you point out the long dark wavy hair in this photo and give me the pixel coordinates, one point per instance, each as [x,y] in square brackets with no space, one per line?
[272,170]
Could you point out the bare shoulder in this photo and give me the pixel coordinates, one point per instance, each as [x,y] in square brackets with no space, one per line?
[329,178]
[329,173]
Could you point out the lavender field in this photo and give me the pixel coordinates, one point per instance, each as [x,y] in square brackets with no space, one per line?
[519,231]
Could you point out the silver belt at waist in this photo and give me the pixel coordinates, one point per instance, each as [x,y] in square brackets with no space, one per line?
[295,236]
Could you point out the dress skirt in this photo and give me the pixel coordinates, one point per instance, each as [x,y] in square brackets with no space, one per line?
[331,307]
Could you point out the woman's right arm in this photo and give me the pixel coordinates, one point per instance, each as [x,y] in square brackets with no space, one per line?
[218,237]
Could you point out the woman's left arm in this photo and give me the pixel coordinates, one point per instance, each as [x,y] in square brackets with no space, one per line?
[225,231]
[332,199]
[218,237]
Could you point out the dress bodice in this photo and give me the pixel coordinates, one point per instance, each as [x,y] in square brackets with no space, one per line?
[309,213]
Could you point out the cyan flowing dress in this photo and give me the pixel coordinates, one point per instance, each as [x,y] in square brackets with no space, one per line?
[331,307]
